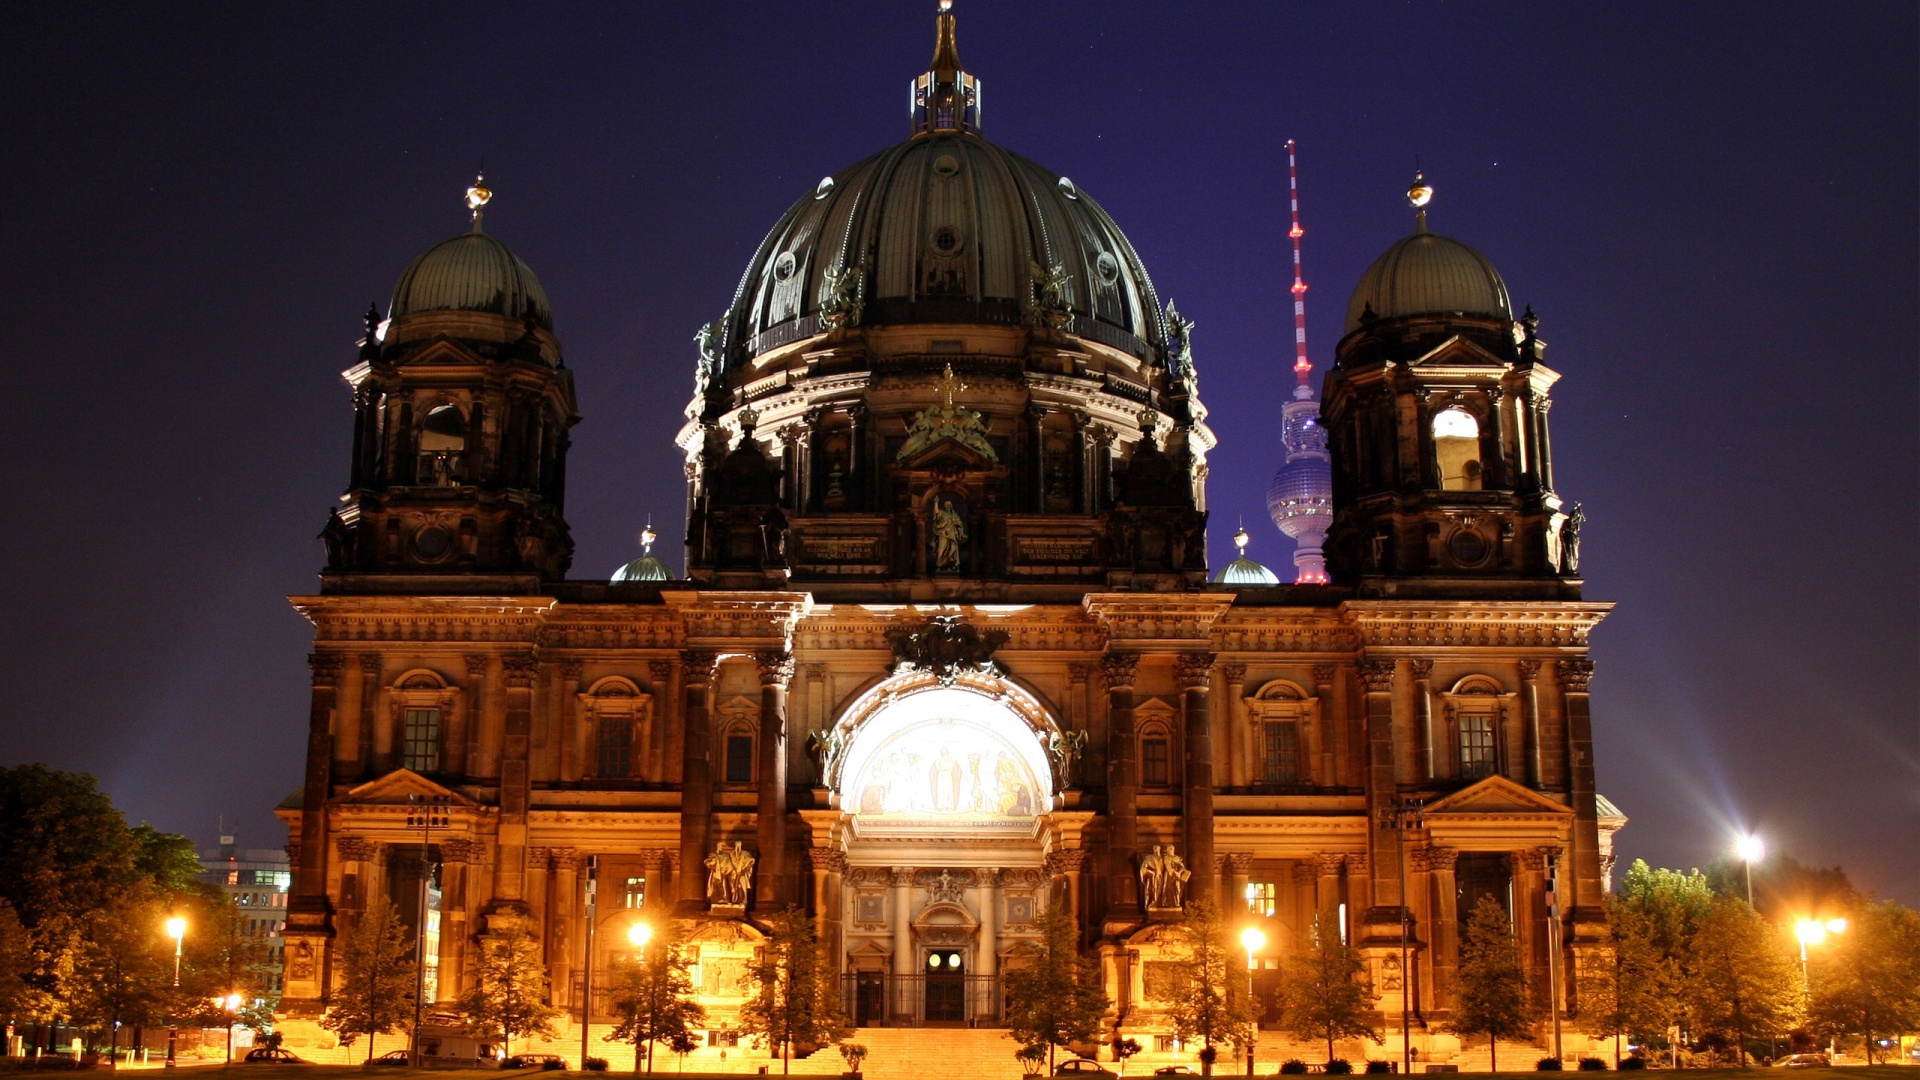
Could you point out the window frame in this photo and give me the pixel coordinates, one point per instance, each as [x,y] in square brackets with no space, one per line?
[422,690]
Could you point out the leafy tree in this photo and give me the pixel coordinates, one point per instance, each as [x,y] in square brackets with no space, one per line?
[1492,994]
[1326,991]
[375,991]
[1671,902]
[510,991]
[1054,996]
[796,999]
[1739,976]
[115,966]
[1626,986]
[654,997]
[225,959]
[1784,886]
[1207,1007]
[16,963]
[1868,983]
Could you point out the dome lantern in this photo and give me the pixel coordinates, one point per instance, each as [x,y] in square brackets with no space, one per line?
[945,99]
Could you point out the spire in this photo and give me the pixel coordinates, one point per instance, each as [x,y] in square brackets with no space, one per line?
[1419,194]
[478,196]
[945,99]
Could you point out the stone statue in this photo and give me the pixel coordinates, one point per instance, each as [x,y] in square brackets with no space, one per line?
[1066,748]
[1570,540]
[949,532]
[843,295]
[729,874]
[1179,341]
[1163,879]
[709,361]
[1050,288]
[946,647]
[825,748]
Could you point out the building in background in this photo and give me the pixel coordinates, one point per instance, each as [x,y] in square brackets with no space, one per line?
[257,881]
[945,652]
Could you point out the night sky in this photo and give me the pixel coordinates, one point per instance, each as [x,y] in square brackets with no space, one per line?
[1710,205]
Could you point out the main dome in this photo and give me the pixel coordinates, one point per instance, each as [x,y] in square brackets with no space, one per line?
[1427,273]
[945,229]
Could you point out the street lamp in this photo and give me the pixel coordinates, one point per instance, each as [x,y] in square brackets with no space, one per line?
[1751,850]
[640,933]
[1813,932]
[1253,940]
[177,930]
[232,1004]
[1401,817]
[425,813]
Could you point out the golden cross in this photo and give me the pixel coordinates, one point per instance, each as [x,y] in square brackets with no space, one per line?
[948,385]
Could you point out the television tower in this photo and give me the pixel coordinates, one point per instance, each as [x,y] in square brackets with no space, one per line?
[1300,498]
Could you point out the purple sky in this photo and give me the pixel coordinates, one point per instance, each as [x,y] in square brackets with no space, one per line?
[1710,205]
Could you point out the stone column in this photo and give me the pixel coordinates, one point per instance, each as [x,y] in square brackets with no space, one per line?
[483,731]
[1194,672]
[819,861]
[696,790]
[776,671]
[1530,909]
[1363,891]
[813,719]
[455,903]
[1542,405]
[1584,872]
[904,962]
[988,962]
[1233,679]
[662,745]
[563,917]
[574,747]
[1327,867]
[539,904]
[1078,709]
[1420,900]
[1494,464]
[1330,719]
[346,739]
[1123,787]
[1382,789]
[1446,923]
[515,780]
[1239,867]
[1426,739]
[311,886]
[1304,907]
[358,856]
[1069,866]
[1530,718]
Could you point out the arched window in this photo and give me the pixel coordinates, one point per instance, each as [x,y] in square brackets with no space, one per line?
[443,444]
[422,704]
[1456,446]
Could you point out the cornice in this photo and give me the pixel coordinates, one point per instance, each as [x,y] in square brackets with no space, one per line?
[424,618]
[1158,622]
[1429,623]
[738,620]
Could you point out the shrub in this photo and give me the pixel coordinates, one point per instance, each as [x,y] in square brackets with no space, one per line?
[1632,1064]
[1547,1065]
[1339,1067]
[1293,1067]
[1592,1064]
[513,1062]
[853,1054]
[1379,1067]
[594,1064]
[552,1063]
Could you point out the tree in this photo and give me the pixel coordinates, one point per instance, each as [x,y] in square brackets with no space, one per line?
[16,963]
[1207,1007]
[1492,994]
[225,959]
[509,992]
[1670,906]
[1325,989]
[1626,986]
[1739,976]
[796,999]
[1054,996]
[654,998]
[375,991]
[1869,982]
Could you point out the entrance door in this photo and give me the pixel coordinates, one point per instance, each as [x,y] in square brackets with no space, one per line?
[869,999]
[946,988]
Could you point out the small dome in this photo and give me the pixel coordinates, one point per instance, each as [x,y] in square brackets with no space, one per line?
[1244,571]
[1425,274]
[472,272]
[644,568]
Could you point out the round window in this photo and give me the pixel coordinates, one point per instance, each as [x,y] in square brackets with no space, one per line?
[825,189]
[1107,267]
[432,543]
[946,240]
[946,165]
[1468,547]
[1067,188]
[783,267]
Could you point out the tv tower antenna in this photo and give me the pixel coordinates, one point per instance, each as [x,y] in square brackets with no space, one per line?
[1302,367]
[1300,498]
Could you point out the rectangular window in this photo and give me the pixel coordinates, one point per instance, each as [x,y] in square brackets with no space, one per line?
[634,892]
[1262,897]
[421,743]
[739,759]
[1153,762]
[1477,758]
[1282,754]
[614,748]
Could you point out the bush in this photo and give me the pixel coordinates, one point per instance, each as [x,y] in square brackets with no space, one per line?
[513,1062]
[551,1064]
[1339,1067]
[1379,1067]
[594,1064]
[1548,1065]
[1632,1064]
[1592,1064]
[1293,1067]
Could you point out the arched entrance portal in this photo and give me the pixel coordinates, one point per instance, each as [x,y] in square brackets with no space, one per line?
[948,801]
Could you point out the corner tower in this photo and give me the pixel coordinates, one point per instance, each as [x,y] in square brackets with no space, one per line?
[1436,410]
[461,409]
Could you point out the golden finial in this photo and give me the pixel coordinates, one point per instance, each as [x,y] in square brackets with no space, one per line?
[1418,196]
[946,6]
[950,385]
[478,196]
[1241,539]
[647,537]
[1148,420]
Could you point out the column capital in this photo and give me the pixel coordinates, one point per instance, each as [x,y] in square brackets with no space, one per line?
[1304,872]
[354,847]
[1118,669]
[462,852]
[1378,675]
[476,665]
[520,669]
[1357,863]
[326,668]
[1441,859]
[1422,669]
[699,665]
[565,859]
[900,876]
[1529,670]
[371,664]
[1328,864]
[1323,674]
[1080,672]
[776,668]
[831,860]
[1233,673]
[659,671]
[1239,862]
[1534,859]
[1575,674]
[1072,860]
[571,670]
[1193,671]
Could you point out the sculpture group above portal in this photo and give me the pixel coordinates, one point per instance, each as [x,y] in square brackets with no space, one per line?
[1163,879]
[729,873]
[946,648]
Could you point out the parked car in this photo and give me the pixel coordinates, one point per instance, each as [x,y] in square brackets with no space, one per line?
[1175,1070]
[273,1055]
[535,1061]
[393,1057]
[1803,1061]
[1082,1067]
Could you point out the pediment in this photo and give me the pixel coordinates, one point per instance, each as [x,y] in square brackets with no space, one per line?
[949,453]
[444,350]
[396,786]
[1496,795]
[1458,351]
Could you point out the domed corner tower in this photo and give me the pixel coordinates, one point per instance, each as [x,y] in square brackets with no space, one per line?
[461,409]
[1436,410]
[946,372]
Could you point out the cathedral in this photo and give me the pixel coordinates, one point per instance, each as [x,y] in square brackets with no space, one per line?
[945,652]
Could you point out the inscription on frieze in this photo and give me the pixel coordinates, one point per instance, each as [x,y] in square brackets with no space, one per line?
[1047,549]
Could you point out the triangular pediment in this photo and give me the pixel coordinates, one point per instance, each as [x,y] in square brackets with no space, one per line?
[444,350]
[1458,351]
[1496,795]
[397,785]
[949,453]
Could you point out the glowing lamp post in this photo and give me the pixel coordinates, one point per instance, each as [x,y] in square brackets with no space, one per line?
[1751,850]
[231,1003]
[640,933]
[1253,941]
[177,930]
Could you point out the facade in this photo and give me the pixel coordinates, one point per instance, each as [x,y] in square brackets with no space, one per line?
[945,653]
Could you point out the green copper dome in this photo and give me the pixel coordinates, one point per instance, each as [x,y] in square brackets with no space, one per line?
[472,272]
[1427,274]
